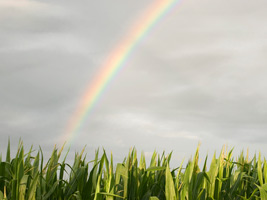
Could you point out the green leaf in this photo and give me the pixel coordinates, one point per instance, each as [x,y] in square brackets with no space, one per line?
[109,194]
[263,191]
[153,198]
[8,152]
[260,170]
[169,187]
[22,187]
[155,169]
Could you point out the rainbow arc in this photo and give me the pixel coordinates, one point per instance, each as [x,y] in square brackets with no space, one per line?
[115,62]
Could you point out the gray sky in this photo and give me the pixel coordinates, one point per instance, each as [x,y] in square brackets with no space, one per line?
[198,76]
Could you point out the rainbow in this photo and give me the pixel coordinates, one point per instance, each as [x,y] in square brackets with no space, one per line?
[116,60]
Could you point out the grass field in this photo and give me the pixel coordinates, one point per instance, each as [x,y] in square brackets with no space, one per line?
[27,176]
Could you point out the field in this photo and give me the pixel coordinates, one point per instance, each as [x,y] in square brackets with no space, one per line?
[27,176]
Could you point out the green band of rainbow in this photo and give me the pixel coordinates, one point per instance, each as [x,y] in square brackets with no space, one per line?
[115,62]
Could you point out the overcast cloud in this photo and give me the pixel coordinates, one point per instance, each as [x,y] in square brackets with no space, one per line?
[198,76]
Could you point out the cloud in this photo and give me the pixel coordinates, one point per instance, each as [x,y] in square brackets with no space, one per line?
[182,134]
[22,4]
[199,75]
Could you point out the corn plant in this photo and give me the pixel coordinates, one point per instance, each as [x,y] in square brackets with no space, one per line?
[27,177]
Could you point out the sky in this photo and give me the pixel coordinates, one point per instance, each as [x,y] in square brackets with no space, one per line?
[198,76]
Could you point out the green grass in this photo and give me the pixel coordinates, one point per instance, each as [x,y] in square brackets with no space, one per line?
[27,176]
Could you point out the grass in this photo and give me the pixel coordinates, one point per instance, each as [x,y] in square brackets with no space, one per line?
[27,176]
